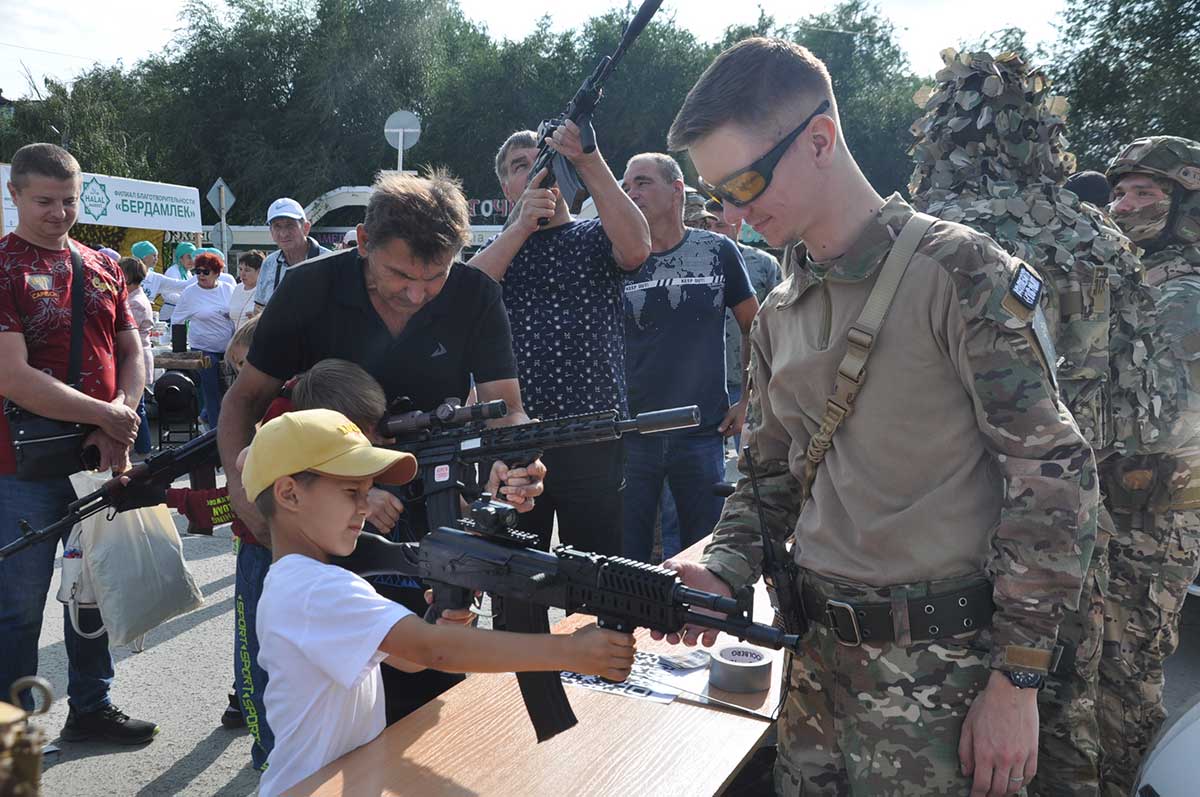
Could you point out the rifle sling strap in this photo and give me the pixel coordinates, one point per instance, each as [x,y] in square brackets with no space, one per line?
[75,355]
[860,341]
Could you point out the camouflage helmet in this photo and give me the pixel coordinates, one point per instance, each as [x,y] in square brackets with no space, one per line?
[1169,158]
[1174,158]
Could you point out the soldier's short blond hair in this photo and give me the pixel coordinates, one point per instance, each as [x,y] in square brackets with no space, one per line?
[749,84]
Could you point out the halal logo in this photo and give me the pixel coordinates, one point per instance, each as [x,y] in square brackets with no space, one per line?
[95,199]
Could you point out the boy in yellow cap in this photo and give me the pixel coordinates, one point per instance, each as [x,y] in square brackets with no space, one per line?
[323,631]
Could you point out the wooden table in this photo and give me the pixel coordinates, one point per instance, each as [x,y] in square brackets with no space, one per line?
[181,360]
[476,739]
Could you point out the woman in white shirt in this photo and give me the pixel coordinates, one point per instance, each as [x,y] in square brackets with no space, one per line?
[241,303]
[143,315]
[204,307]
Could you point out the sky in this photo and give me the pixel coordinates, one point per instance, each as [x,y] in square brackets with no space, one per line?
[59,39]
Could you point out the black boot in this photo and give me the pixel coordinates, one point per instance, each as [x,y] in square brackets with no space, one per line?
[108,724]
[233,717]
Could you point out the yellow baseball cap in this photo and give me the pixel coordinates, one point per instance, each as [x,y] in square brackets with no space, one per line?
[322,441]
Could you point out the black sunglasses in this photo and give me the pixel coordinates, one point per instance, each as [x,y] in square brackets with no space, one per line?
[743,187]
[203,272]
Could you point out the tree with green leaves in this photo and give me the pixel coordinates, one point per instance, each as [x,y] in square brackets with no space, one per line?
[1129,68]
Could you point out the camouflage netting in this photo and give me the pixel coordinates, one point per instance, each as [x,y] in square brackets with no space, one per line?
[991,153]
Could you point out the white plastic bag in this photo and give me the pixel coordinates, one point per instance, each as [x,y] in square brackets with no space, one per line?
[135,565]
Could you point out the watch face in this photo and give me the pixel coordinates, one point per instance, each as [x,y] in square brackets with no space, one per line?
[1024,679]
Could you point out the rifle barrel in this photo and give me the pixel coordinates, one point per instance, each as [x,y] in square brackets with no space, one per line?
[662,420]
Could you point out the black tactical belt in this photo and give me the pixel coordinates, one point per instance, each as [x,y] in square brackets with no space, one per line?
[932,617]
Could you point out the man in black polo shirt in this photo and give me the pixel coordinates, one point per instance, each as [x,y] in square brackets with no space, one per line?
[422,326]
[563,291]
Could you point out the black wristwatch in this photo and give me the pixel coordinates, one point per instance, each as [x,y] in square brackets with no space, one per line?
[1025,679]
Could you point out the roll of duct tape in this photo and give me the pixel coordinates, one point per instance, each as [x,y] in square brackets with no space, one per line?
[740,668]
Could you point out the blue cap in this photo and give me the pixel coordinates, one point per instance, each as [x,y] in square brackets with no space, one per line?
[143,248]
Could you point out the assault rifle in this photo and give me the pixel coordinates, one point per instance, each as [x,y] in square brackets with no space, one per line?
[621,593]
[450,441]
[579,110]
[143,485]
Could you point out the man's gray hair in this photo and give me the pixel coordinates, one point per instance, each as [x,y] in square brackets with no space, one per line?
[522,139]
[668,168]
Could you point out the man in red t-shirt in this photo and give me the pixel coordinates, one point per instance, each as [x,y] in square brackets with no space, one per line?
[35,340]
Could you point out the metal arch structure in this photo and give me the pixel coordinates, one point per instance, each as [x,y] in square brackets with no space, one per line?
[344,197]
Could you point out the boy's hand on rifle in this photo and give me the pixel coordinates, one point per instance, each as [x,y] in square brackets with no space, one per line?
[699,577]
[517,486]
[536,204]
[453,616]
[598,651]
[567,142]
[383,510]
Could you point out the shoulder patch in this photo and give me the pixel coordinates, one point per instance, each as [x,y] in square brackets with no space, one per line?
[1024,292]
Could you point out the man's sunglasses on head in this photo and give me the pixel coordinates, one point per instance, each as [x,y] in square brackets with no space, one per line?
[743,187]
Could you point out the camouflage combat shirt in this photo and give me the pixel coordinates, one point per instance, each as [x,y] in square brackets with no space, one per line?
[958,458]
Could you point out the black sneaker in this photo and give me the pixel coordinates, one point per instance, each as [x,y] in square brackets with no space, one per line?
[233,717]
[109,724]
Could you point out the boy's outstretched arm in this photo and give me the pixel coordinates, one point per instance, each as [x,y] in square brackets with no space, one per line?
[413,644]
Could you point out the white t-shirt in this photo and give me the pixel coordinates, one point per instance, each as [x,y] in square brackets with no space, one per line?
[319,631]
[171,284]
[241,303]
[206,312]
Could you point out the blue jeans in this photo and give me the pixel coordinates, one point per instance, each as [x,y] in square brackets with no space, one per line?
[210,388]
[669,521]
[142,444]
[690,465]
[249,677]
[24,583]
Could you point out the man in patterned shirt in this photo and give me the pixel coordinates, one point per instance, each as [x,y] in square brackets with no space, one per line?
[562,289]
[36,275]
[764,273]
[675,356]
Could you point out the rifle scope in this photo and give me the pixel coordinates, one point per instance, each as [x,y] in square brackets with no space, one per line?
[445,415]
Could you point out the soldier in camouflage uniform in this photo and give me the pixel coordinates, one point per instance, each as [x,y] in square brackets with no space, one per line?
[945,534]
[1155,499]
[991,153]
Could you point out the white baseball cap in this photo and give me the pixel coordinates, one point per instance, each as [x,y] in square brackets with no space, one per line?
[351,236]
[285,207]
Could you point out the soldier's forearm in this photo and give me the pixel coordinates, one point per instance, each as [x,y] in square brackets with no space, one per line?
[735,552]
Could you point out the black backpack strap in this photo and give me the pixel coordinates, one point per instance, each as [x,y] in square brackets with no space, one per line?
[75,361]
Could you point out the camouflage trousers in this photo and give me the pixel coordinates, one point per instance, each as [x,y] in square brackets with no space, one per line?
[1153,559]
[877,719]
[1069,724]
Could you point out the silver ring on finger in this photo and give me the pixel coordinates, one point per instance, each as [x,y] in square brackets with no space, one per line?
[1016,780]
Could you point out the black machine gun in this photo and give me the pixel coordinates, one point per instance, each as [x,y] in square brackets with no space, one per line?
[143,485]
[579,110]
[451,440]
[621,593]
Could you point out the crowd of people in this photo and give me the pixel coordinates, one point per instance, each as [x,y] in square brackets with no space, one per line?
[992,525]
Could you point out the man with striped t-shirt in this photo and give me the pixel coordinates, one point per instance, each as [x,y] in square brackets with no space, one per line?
[675,356]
